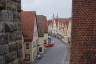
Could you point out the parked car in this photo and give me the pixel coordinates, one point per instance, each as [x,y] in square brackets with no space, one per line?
[49,45]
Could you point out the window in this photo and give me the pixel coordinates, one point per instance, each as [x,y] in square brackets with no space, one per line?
[40,49]
[27,57]
[27,45]
[45,42]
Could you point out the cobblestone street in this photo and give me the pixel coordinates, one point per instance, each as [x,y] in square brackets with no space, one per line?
[59,54]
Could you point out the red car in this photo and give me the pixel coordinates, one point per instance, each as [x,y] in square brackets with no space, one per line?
[49,45]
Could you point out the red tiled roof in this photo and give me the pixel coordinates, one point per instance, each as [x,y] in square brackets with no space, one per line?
[44,23]
[50,22]
[27,21]
[62,20]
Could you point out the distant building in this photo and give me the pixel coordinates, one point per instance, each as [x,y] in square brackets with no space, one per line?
[45,26]
[50,26]
[59,27]
[40,24]
[63,25]
[10,32]
[30,35]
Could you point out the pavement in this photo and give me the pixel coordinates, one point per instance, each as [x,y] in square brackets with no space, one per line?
[59,54]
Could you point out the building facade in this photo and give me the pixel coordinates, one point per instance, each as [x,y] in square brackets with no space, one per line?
[60,27]
[10,47]
[30,35]
[40,26]
[83,49]
[45,24]
[50,27]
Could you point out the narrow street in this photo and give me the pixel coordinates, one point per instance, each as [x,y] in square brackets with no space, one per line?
[59,54]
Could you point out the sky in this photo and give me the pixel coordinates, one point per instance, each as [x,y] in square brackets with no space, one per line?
[62,8]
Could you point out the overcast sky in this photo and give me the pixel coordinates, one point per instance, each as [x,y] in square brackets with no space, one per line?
[49,7]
